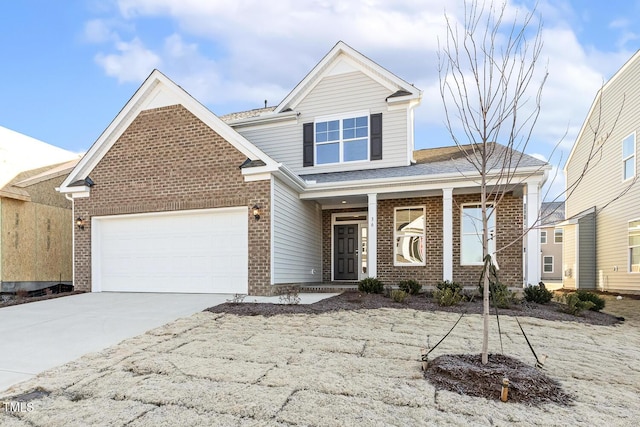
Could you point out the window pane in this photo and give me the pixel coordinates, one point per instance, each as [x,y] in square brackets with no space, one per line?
[627,146]
[557,236]
[349,133]
[471,250]
[349,123]
[629,169]
[634,258]
[321,127]
[362,132]
[334,125]
[333,135]
[543,237]
[328,153]
[356,150]
[634,233]
[362,121]
[410,249]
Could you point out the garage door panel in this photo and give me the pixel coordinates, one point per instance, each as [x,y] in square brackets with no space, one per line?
[203,252]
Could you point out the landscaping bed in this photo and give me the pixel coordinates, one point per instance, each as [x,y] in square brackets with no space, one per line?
[7,300]
[422,302]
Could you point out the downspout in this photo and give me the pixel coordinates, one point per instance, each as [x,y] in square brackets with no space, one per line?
[73,240]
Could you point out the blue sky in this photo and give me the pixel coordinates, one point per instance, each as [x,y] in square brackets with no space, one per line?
[69,67]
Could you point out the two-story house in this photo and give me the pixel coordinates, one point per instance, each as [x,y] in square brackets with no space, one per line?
[325,187]
[551,242]
[602,230]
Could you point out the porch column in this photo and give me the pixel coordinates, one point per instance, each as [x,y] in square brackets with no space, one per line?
[372,236]
[447,234]
[532,272]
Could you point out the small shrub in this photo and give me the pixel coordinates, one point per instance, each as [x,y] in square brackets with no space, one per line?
[598,302]
[410,286]
[499,295]
[370,285]
[398,295]
[291,297]
[454,286]
[538,294]
[574,305]
[447,297]
[237,298]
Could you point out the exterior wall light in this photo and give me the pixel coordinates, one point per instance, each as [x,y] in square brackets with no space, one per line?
[80,223]
[256,212]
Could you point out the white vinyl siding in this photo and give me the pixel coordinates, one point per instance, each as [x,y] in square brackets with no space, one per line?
[620,104]
[569,257]
[297,237]
[335,95]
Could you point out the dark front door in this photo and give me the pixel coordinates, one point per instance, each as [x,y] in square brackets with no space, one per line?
[345,263]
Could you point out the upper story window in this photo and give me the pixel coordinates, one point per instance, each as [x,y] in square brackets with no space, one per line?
[634,246]
[331,140]
[629,157]
[557,235]
[471,237]
[342,140]
[543,237]
[409,234]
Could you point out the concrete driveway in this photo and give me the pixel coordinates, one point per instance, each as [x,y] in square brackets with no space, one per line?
[40,335]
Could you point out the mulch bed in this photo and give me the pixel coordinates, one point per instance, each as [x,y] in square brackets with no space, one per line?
[421,302]
[465,374]
[16,300]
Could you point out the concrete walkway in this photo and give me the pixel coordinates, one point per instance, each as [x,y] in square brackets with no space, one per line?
[41,335]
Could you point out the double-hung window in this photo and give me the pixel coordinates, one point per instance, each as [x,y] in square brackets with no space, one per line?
[634,246]
[471,237]
[409,235]
[344,139]
[547,264]
[629,157]
[543,237]
[557,235]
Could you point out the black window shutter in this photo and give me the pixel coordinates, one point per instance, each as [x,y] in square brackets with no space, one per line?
[307,144]
[376,136]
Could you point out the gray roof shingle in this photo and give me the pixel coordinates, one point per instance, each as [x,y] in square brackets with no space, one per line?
[433,161]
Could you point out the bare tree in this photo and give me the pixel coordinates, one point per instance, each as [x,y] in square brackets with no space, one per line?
[486,67]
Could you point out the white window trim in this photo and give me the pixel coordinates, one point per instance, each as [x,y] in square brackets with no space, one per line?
[543,264]
[631,156]
[424,237]
[561,234]
[493,253]
[340,118]
[543,233]
[629,248]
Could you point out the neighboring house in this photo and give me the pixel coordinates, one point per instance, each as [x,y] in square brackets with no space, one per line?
[20,153]
[551,239]
[602,230]
[323,188]
[35,230]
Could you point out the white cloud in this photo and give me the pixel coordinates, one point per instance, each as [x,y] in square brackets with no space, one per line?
[132,63]
[233,55]
[97,31]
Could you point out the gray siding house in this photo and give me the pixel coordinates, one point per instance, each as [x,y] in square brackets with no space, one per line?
[551,241]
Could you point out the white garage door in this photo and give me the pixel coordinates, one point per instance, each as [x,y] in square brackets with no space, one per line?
[202,251]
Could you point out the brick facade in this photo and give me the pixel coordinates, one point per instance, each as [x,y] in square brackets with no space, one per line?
[509,217]
[169,160]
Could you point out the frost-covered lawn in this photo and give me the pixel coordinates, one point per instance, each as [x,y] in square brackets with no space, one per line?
[343,368]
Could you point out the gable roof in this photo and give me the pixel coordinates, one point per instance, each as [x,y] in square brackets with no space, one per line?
[551,213]
[155,92]
[17,188]
[634,58]
[344,55]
